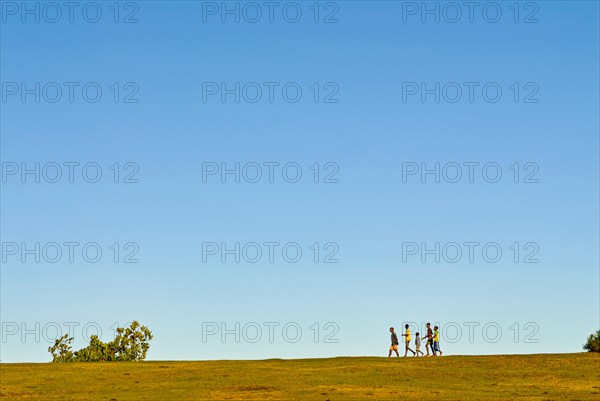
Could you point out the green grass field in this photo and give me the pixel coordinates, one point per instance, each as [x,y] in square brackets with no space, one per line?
[507,377]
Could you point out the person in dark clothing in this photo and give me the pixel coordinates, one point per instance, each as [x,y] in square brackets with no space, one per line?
[394,346]
[429,340]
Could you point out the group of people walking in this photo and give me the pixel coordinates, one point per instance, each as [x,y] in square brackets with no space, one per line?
[432,342]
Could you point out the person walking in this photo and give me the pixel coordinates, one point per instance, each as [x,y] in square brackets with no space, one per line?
[394,346]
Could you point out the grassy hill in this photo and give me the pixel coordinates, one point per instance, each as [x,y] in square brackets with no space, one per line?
[506,377]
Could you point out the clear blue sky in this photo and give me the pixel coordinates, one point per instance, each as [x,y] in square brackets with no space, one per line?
[369,121]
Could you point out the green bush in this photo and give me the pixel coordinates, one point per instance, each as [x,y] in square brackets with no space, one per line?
[61,350]
[97,351]
[130,344]
[593,343]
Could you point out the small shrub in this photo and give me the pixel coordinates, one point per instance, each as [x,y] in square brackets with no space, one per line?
[131,343]
[61,350]
[593,343]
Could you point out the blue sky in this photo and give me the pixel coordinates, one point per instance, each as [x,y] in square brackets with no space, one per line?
[169,126]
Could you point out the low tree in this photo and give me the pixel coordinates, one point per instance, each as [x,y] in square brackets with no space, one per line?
[130,344]
[593,342]
[61,350]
